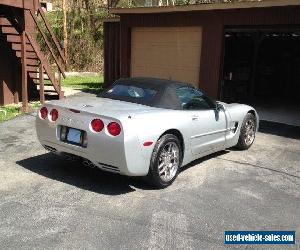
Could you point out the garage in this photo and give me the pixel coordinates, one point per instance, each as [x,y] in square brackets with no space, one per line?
[166,52]
[261,64]
[262,67]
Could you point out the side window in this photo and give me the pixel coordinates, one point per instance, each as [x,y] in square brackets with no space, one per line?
[193,99]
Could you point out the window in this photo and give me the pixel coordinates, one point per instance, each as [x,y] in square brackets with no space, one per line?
[194,99]
[131,91]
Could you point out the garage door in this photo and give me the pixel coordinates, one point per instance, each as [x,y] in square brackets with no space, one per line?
[166,52]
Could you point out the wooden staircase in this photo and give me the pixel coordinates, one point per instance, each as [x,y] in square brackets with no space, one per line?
[21,34]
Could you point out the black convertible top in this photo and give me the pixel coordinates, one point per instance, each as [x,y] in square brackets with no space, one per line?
[149,82]
[166,96]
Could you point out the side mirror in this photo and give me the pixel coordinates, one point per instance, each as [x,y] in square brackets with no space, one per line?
[219,107]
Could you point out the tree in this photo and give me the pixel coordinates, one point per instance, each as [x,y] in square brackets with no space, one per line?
[64,8]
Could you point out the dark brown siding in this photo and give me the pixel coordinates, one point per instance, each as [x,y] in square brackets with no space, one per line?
[213,24]
[10,65]
[10,74]
[112,52]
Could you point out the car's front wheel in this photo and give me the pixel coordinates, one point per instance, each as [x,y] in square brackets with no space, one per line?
[247,134]
[165,161]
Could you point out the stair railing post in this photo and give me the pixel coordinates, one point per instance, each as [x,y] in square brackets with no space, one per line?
[59,84]
[25,107]
[41,81]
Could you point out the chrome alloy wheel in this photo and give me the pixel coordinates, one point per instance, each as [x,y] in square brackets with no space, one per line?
[168,162]
[250,132]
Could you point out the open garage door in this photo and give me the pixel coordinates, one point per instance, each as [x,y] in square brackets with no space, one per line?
[262,68]
[167,52]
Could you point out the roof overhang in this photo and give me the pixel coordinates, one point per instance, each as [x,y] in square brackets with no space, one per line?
[206,6]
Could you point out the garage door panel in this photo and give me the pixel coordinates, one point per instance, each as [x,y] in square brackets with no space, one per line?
[167,52]
[178,74]
[175,62]
[169,34]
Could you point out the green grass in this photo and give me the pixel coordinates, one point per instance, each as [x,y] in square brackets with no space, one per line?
[35,105]
[11,111]
[84,82]
[8,112]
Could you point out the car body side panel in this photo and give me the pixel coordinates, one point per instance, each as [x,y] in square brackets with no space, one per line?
[151,126]
[208,128]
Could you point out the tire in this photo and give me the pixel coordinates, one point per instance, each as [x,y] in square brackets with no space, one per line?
[165,165]
[247,132]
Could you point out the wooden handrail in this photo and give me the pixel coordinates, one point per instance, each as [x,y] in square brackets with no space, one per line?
[18,4]
[53,36]
[43,60]
[61,69]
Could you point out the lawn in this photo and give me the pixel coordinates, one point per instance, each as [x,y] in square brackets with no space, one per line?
[8,112]
[11,111]
[84,82]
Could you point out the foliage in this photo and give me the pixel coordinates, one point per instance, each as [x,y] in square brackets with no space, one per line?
[8,112]
[84,30]
[159,3]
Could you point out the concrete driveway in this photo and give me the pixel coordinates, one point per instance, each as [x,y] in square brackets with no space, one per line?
[47,202]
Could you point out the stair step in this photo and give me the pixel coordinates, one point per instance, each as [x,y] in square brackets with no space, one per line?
[45,84]
[47,89]
[15,39]
[4,21]
[32,62]
[9,30]
[32,69]
[35,76]
[30,55]
[17,47]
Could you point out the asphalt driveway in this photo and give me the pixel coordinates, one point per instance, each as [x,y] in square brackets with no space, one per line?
[47,202]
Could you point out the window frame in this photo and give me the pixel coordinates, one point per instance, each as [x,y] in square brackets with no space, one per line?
[209,101]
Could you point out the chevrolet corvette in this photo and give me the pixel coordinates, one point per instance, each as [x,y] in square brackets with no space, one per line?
[145,127]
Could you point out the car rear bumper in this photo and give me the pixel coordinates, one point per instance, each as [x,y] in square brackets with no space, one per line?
[106,153]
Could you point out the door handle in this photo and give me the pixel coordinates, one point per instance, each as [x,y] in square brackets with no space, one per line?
[195,118]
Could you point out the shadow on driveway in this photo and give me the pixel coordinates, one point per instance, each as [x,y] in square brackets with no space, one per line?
[92,179]
[279,129]
[76,174]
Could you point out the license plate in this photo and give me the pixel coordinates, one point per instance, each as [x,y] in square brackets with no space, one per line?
[74,135]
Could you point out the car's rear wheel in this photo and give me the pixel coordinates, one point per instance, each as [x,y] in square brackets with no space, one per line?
[165,161]
[247,134]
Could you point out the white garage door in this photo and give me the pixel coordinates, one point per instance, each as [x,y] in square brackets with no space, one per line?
[166,52]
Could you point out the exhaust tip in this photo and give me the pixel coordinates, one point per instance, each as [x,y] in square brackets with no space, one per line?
[88,163]
[51,149]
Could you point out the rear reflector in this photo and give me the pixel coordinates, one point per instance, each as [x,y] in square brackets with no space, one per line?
[43,112]
[97,125]
[148,143]
[114,128]
[54,115]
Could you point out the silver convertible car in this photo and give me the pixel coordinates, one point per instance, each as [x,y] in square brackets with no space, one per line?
[145,127]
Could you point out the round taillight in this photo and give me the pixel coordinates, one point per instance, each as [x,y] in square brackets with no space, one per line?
[97,125]
[43,112]
[54,115]
[114,128]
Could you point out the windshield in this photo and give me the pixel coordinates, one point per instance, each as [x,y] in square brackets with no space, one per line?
[130,91]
